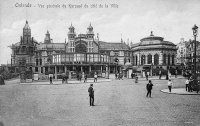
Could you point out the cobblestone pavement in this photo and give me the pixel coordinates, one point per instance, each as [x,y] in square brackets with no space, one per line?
[119,102]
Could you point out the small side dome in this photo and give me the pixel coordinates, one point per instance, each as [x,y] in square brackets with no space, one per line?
[71,27]
[90,26]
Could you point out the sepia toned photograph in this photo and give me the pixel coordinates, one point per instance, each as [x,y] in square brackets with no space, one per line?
[99,63]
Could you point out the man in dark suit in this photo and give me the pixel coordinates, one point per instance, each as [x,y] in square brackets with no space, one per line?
[91,94]
[149,88]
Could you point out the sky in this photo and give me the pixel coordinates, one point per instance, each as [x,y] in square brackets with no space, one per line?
[130,20]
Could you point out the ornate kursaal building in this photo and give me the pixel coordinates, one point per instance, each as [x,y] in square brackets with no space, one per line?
[153,52]
[80,53]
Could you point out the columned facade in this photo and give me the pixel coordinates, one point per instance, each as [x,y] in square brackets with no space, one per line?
[153,52]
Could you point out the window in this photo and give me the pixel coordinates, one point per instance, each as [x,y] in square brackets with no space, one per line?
[149,59]
[133,61]
[36,69]
[36,62]
[116,53]
[156,59]
[173,59]
[40,61]
[169,59]
[142,59]
[136,60]
[164,59]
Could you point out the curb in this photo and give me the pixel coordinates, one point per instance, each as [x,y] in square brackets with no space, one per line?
[179,91]
[60,82]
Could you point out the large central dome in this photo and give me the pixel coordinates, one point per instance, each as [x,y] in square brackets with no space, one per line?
[153,42]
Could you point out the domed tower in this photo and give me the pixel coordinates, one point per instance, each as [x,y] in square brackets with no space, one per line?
[90,32]
[26,34]
[47,38]
[71,33]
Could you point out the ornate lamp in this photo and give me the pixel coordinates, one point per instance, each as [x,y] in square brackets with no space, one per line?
[195,32]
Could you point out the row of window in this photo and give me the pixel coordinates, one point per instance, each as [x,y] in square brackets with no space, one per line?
[167,59]
[80,58]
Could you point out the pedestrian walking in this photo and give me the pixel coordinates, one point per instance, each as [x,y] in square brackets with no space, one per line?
[169,75]
[149,87]
[80,76]
[63,79]
[50,80]
[187,84]
[91,94]
[66,79]
[160,74]
[170,83]
[190,84]
[85,78]
[132,75]
[136,79]
[2,82]
[176,72]
[116,75]
[95,77]
[146,74]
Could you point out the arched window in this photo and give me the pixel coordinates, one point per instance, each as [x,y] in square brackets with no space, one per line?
[133,61]
[81,48]
[156,59]
[149,59]
[173,59]
[164,59]
[142,59]
[136,59]
[168,59]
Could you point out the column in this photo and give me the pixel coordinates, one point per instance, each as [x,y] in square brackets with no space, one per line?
[138,59]
[39,69]
[55,72]
[70,75]
[107,72]
[153,59]
[146,59]
[81,68]
[161,59]
[101,69]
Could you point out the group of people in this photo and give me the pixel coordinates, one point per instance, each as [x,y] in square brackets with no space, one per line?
[79,77]
[150,85]
[65,79]
[119,76]
[188,84]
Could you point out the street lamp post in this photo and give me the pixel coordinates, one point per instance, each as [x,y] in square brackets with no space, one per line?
[195,32]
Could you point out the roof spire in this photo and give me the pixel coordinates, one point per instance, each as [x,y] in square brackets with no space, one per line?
[151,33]
[121,38]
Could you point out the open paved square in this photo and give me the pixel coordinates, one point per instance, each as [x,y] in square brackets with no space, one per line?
[117,103]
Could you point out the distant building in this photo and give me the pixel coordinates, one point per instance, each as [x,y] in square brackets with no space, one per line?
[80,53]
[182,52]
[153,52]
[190,55]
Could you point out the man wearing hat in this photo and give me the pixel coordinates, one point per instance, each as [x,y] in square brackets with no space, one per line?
[91,94]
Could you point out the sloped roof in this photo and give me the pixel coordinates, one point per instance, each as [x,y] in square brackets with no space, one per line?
[113,46]
[56,46]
